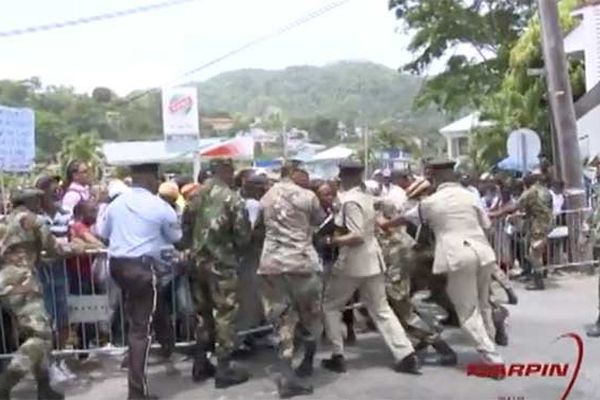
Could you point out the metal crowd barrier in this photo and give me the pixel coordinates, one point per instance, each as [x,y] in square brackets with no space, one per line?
[568,242]
[86,308]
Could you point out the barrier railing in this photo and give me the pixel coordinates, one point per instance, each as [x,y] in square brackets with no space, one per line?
[87,312]
[568,243]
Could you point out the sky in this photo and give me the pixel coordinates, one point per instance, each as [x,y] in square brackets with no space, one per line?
[155,48]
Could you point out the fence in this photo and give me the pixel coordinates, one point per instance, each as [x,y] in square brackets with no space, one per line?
[568,243]
[87,313]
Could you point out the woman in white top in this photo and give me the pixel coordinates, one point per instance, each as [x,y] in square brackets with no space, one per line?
[77,185]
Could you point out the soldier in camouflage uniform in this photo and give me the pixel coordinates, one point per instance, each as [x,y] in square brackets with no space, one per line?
[536,204]
[221,231]
[399,254]
[23,236]
[290,274]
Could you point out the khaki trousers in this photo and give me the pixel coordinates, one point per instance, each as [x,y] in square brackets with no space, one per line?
[469,291]
[372,294]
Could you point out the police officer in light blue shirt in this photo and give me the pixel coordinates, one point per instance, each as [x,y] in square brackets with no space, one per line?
[138,225]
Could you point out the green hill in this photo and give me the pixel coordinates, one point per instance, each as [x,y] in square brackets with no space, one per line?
[347,91]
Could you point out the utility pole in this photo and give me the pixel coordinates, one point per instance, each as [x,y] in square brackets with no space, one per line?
[561,103]
[563,115]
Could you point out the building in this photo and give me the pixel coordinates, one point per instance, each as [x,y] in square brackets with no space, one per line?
[584,42]
[458,134]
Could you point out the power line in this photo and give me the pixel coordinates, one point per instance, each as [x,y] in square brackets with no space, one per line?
[292,25]
[92,19]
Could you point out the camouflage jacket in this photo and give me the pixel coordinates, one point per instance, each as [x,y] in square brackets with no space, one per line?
[23,237]
[291,215]
[396,245]
[536,203]
[221,229]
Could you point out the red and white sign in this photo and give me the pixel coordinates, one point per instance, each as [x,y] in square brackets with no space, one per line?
[180,111]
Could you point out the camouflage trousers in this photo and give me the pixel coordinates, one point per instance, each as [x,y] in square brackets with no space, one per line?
[214,290]
[538,239]
[399,297]
[32,322]
[290,299]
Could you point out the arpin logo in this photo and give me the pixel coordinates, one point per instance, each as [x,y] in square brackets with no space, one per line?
[534,368]
[180,104]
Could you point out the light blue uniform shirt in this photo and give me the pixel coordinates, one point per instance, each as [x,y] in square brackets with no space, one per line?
[139,223]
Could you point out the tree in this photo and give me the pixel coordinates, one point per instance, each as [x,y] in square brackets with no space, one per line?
[324,129]
[444,28]
[521,101]
[85,147]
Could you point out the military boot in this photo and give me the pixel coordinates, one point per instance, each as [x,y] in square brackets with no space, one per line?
[594,331]
[447,355]
[499,315]
[288,384]
[44,390]
[202,368]
[409,365]
[538,282]
[8,380]
[228,375]
[512,296]
[337,363]
[305,368]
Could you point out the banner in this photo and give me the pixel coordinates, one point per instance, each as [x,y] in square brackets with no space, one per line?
[180,112]
[17,139]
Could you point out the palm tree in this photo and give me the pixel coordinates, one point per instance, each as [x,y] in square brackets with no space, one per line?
[85,147]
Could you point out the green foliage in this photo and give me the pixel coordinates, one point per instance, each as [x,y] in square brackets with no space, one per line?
[443,27]
[309,98]
[521,101]
[85,147]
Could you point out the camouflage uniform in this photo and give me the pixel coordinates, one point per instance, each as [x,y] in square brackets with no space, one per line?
[397,248]
[289,266]
[221,230]
[23,236]
[536,203]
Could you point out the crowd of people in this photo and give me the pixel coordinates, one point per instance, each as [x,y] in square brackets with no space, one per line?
[252,250]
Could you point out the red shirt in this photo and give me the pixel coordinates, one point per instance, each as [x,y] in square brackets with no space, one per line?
[77,231]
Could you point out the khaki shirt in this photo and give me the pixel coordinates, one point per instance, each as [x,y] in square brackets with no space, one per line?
[291,215]
[458,223]
[357,215]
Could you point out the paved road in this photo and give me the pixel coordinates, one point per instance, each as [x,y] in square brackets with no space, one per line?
[567,306]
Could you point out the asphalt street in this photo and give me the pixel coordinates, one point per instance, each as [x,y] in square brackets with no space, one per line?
[568,305]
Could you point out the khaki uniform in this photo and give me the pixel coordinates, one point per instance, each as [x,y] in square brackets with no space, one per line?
[463,252]
[361,267]
[289,267]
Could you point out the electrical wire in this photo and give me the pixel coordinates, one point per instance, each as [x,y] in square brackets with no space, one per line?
[92,19]
[288,27]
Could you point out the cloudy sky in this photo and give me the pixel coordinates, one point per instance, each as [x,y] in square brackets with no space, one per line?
[154,48]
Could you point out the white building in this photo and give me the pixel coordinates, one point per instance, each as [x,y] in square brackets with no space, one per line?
[584,42]
[458,134]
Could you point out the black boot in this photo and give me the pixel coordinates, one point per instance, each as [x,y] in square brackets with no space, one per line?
[45,391]
[336,363]
[594,331]
[288,385]
[135,394]
[538,282]
[8,380]
[447,355]
[499,315]
[227,375]
[202,368]
[306,366]
[512,296]
[409,365]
